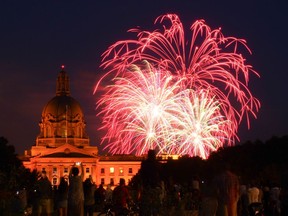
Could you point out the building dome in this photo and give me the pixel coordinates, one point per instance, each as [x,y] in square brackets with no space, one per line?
[62,119]
[62,107]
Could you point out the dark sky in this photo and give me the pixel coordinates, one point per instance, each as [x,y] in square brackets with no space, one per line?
[37,37]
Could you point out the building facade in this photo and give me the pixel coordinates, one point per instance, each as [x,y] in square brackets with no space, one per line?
[63,142]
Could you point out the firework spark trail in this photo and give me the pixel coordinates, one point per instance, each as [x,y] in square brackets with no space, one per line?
[208,61]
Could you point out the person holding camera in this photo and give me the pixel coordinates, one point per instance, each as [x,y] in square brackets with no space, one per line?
[75,191]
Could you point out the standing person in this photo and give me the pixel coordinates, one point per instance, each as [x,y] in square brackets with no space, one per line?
[227,184]
[62,197]
[209,202]
[45,195]
[121,198]
[243,202]
[266,200]
[100,197]
[149,174]
[108,195]
[89,202]
[108,203]
[75,192]
[196,197]
[275,199]
[253,193]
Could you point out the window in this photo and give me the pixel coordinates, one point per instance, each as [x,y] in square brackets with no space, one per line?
[63,131]
[130,171]
[54,170]
[87,170]
[121,171]
[112,181]
[54,181]
[65,170]
[102,170]
[112,170]
[102,181]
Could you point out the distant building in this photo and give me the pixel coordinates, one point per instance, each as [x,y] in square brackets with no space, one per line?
[63,141]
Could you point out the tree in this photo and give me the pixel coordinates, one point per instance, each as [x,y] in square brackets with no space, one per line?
[13,175]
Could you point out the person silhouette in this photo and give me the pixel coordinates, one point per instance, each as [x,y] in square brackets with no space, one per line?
[121,198]
[45,195]
[75,192]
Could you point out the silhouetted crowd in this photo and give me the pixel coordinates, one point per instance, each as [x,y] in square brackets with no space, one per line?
[73,197]
[222,195]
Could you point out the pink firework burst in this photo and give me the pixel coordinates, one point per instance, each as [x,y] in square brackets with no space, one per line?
[148,108]
[208,71]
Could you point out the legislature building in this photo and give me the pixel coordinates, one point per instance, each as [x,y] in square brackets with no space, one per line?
[63,142]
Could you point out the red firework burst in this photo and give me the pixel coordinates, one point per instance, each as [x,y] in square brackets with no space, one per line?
[208,65]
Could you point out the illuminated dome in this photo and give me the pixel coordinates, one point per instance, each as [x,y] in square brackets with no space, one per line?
[62,119]
[61,107]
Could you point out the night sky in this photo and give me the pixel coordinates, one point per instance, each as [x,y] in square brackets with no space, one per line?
[37,37]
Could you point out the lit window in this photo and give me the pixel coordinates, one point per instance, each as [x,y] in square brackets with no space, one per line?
[112,181]
[121,171]
[102,181]
[102,170]
[112,170]
[65,170]
[87,170]
[130,171]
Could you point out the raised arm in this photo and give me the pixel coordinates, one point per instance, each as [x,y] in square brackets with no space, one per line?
[70,172]
[82,171]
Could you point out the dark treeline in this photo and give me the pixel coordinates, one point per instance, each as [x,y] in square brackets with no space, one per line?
[13,175]
[263,162]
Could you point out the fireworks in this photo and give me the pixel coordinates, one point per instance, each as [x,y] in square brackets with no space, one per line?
[175,95]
